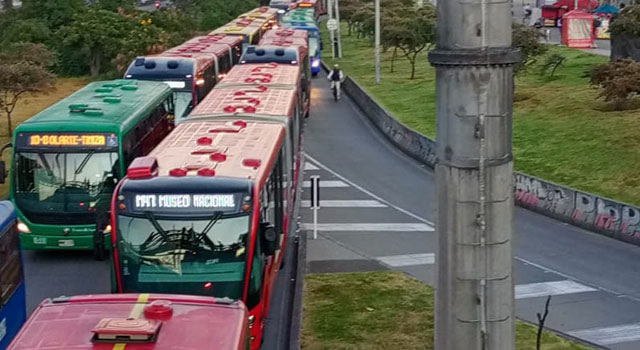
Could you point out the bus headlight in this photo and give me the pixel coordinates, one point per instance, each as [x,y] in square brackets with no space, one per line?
[252,318]
[22,227]
[315,64]
[107,229]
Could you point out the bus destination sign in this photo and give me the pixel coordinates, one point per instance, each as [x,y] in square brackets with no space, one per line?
[184,202]
[67,140]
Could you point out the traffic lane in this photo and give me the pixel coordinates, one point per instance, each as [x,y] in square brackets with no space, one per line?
[339,136]
[585,256]
[50,274]
[370,160]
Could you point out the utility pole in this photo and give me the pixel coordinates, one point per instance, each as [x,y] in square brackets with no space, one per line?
[337,9]
[331,32]
[474,175]
[377,41]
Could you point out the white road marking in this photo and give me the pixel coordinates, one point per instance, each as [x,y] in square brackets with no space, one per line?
[369,193]
[544,289]
[408,259]
[347,204]
[609,335]
[328,183]
[391,227]
[310,166]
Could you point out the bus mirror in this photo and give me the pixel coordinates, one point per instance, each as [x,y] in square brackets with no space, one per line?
[3,171]
[269,238]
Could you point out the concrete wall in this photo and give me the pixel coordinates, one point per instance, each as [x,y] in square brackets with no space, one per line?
[606,216]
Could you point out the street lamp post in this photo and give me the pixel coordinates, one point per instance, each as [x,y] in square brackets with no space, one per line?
[377,41]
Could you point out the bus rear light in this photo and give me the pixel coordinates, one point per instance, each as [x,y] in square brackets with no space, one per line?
[218,157]
[251,163]
[208,285]
[122,206]
[143,168]
[22,227]
[246,207]
[177,172]
[252,320]
[200,82]
[207,172]
[107,229]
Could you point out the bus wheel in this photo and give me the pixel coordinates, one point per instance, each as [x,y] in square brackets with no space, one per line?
[99,251]
[314,74]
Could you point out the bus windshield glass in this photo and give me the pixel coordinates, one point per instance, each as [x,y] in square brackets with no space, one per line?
[64,187]
[313,47]
[182,101]
[203,256]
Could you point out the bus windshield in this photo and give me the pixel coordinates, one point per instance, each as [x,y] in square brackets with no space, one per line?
[64,188]
[182,101]
[187,256]
[313,47]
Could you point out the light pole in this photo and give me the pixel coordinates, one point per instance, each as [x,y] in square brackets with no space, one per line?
[377,41]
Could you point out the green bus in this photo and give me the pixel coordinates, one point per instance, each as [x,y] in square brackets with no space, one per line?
[68,159]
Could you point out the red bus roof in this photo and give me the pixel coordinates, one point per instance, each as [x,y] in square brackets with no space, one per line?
[286,33]
[285,42]
[220,38]
[261,12]
[72,323]
[236,149]
[267,74]
[197,48]
[247,100]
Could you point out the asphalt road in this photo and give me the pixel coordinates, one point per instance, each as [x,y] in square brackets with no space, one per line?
[378,210]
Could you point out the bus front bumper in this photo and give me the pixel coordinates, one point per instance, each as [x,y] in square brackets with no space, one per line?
[32,241]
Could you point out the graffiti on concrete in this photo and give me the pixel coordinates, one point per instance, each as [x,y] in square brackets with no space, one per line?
[586,210]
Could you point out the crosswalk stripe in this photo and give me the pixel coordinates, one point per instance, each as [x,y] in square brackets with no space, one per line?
[310,166]
[346,204]
[391,227]
[609,335]
[408,259]
[328,183]
[544,289]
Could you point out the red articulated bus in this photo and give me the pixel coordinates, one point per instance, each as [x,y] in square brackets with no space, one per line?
[266,105]
[203,214]
[135,322]
[223,54]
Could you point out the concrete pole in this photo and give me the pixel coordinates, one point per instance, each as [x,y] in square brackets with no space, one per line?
[331,32]
[474,175]
[337,2]
[377,41]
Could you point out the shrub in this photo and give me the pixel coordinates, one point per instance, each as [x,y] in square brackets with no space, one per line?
[618,80]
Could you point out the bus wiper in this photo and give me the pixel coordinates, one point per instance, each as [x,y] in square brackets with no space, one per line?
[45,163]
[84,162]
[156,225]
[203,235]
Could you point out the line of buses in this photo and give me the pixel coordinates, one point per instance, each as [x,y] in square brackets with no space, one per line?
[187,171]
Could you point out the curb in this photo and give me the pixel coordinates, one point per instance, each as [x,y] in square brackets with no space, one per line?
[598,214]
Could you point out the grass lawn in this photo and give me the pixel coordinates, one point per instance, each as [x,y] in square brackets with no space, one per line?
[383,310]
[32,104]
[562,131]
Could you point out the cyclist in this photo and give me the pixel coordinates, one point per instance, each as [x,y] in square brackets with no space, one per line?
[336,77]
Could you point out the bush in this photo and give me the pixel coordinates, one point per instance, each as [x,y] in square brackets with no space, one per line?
[618,81]
[527,39]
[627,22]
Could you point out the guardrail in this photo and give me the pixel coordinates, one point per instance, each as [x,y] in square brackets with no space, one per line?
[595,213]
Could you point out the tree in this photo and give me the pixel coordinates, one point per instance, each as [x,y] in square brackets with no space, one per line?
[54,14]
[25,30]
[618,80]
[115,5]
[347,9]
[103,34]
[23,69]
[411,33]
[528,41]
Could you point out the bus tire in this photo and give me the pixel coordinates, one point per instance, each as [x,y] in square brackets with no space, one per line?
[314,74]
[99,251]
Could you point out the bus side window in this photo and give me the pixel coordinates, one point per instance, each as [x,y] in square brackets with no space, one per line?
[10,272]
[255,282]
